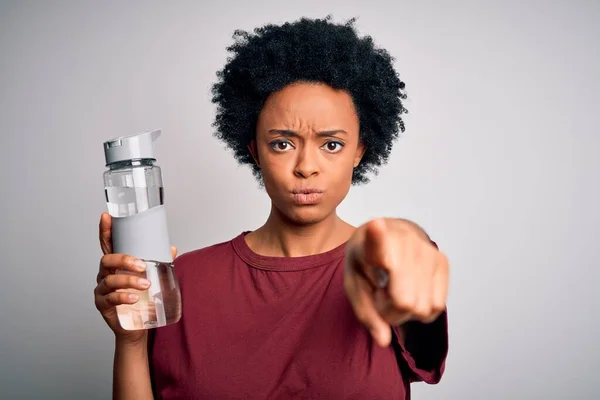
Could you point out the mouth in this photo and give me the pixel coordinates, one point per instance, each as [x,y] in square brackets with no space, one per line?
[307,196]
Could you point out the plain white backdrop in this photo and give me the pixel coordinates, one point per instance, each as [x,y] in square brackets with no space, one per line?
[499,163]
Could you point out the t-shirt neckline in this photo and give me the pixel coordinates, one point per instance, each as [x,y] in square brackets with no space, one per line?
[285,263]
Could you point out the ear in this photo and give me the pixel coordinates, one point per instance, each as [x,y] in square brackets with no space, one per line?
[252,148]
[360,152]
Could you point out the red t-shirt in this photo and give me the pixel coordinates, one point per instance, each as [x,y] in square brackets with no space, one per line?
[256,327]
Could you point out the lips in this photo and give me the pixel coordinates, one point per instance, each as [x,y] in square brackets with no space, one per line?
[307,196]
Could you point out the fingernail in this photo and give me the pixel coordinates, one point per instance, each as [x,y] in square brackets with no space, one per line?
[139,264]
[382,278]
[144,282]
[133,297]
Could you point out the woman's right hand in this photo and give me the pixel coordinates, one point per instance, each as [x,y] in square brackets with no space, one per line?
[110,290]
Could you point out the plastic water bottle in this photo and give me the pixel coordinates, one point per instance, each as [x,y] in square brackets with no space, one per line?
[135,199]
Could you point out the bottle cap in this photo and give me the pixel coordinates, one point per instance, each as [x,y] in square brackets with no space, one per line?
[133,147]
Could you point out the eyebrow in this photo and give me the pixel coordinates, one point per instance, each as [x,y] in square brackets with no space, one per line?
[289,132]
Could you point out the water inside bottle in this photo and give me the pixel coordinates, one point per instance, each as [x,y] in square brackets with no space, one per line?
[158,306]
[126,201]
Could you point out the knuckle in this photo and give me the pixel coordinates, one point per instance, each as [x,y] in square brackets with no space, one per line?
[125,259]
[433,315]
[108,300]
[429,319]
[402,231]
[109,282]
[118,282]
[423,312]
[107,261]
[105,302]
[438,307]
[104,260]
[122,297]
[112,299]
[404,302]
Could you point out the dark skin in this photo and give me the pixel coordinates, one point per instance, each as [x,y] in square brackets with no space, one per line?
[307,137]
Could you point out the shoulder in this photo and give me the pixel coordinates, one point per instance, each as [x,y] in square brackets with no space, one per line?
[218,251]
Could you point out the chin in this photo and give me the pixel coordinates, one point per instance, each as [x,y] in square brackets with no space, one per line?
[306,215]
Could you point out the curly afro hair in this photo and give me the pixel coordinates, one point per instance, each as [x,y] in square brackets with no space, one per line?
[309,50]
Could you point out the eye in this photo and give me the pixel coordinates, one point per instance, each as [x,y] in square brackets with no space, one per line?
[333,146]
[280,145]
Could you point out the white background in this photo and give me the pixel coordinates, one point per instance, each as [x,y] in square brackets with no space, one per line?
[499,164]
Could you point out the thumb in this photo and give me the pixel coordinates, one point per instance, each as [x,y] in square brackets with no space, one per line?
[173,252]
[366,311]
[105,235]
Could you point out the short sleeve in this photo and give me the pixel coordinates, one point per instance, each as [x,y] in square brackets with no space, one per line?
[421,349]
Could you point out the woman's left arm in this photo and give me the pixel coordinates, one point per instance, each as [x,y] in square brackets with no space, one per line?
[394,274]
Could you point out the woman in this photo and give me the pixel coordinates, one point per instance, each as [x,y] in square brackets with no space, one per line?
[306,306]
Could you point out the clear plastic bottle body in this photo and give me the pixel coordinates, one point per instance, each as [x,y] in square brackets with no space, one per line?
[131,188]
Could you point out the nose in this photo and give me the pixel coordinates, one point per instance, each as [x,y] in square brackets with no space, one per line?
[306,164]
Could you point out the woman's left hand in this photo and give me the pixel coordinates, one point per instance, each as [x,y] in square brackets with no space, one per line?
[393,274]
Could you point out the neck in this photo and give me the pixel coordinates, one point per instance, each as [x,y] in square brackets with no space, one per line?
[281,237]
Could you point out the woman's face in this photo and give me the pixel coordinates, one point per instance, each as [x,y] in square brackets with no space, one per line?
[307,144]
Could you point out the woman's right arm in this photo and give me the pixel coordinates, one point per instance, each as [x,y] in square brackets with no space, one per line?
[131,374]
[131,371]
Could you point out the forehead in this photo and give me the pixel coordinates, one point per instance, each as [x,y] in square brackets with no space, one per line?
[310,104]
